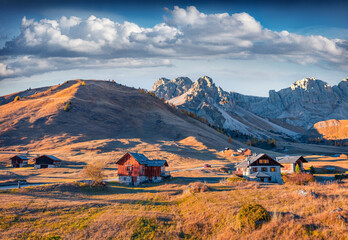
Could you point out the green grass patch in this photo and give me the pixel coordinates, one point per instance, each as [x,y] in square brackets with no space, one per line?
[145,228]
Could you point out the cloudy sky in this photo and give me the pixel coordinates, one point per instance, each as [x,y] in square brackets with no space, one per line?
[245,46]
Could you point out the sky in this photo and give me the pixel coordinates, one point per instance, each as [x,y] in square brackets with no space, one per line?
[246,46]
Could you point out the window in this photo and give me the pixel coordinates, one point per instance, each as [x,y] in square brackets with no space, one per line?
[273,169]
[129,169]
[264,169]
[254,169]
[263,161]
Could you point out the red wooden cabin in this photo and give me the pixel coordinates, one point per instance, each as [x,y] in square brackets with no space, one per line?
[135,168]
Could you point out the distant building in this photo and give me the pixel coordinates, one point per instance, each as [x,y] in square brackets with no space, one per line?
[290,162]
[244,151]
[18,161]
[260,168]
[47,161]
[135,168]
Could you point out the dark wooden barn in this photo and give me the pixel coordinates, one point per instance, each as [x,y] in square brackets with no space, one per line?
[135,168]
[47,161]
[19,161]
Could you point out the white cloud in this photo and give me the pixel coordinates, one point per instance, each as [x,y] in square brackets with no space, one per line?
[50,45]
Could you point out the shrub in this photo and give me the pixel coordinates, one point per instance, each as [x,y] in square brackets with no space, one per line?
[17,98]
[196,187]
[251,216]
[235,179]
[298,178]
[67,106]
[311,170]
[297,169]
[95,172]
[145,228]
[83,83]
[341,176]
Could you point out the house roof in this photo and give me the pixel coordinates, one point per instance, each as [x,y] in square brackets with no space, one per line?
[142,159]
[259,174]
[156,163]
[21,157]
[290,159]
[251,159]
[49,156]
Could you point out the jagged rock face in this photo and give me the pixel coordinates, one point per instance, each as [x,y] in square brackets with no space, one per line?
[304,103]
[167,89]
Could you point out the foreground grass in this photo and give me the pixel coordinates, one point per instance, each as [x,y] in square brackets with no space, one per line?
[162,211]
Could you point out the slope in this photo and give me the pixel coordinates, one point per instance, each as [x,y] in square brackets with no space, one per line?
[99,110]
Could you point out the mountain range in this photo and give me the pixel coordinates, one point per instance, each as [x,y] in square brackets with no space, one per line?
[288,113]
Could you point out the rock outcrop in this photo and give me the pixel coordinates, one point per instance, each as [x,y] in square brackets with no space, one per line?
[167,89]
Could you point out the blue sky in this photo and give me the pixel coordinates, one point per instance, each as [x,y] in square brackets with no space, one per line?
[245,46]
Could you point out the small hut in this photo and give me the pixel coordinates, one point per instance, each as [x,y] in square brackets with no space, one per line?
[47,161]
[19,161]
[135,168]
[290,162]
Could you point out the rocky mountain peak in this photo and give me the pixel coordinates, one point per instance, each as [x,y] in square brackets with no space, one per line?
[167,89]
[204,83]
[159,82]
[308,84]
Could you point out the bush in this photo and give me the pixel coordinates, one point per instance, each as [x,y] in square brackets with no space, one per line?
[341,176]
[83,83]
[235,179]
[17,98]
[196,187]
[297,169]
[67,106]
[95,172]
[251,216]
[298,178]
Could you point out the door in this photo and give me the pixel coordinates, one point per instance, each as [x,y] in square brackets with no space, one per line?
[134,180]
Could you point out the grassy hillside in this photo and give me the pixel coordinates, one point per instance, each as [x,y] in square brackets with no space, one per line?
[98,110]
[333,129]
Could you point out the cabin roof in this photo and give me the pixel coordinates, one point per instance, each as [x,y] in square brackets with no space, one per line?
[157,163]
[290,159]
[49,156]
[251,159]
[142,159]
[21,157]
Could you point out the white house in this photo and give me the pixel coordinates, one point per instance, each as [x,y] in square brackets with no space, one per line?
[261,168]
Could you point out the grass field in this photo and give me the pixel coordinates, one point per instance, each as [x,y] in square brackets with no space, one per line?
[163,211]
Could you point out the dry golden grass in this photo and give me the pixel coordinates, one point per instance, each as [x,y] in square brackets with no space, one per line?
[162,211]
